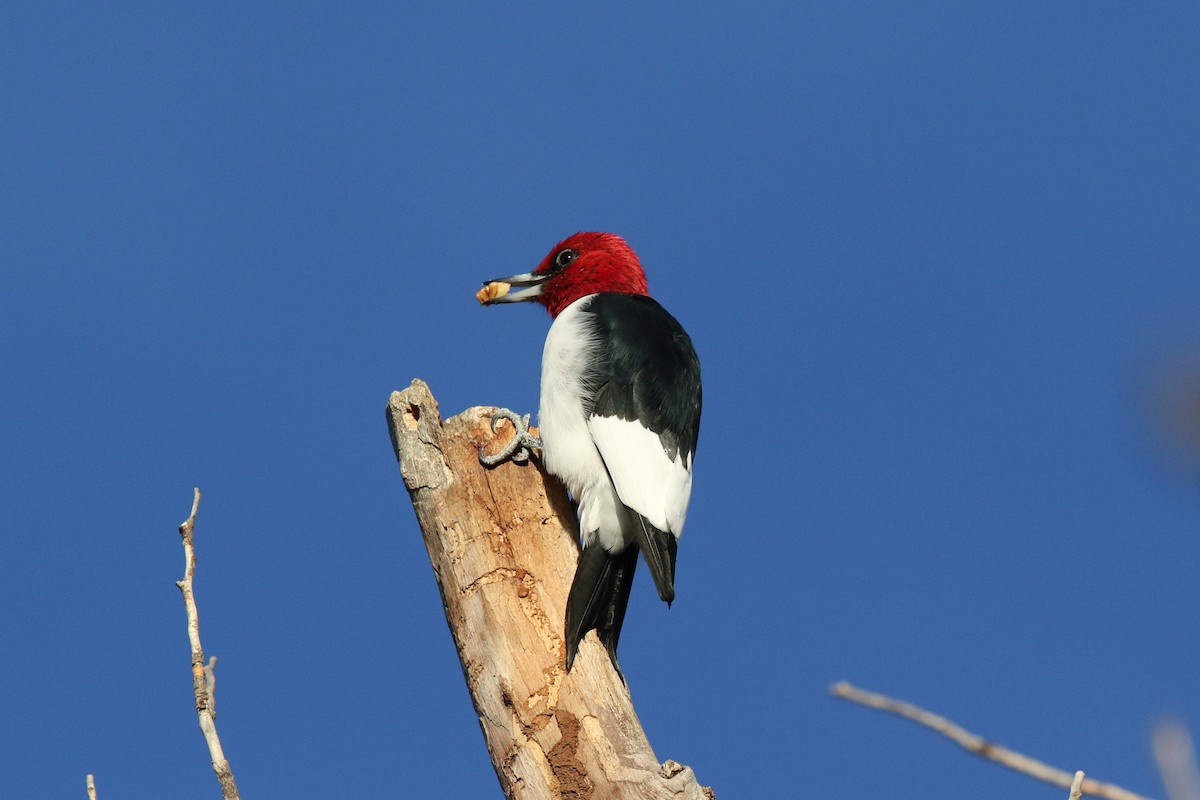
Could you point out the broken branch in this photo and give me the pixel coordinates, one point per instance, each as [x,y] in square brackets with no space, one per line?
[202,679]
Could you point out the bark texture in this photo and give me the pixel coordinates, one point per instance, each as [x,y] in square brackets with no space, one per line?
[502,543]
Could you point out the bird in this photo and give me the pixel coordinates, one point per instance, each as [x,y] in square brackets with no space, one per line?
[619,418]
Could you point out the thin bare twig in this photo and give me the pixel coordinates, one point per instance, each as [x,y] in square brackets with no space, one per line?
[201,685]
[1176,757]
[1076,786]
[91,787]
[976,744]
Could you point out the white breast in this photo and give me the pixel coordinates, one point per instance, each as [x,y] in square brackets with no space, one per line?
[567,447]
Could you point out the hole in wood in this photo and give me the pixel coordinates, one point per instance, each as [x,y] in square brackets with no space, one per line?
[412,416]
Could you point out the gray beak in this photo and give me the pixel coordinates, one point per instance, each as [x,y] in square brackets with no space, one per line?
[513,289]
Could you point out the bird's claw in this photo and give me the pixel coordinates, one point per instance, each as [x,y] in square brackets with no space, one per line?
[519,447]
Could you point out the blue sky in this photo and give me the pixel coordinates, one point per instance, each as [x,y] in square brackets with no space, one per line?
[935,259]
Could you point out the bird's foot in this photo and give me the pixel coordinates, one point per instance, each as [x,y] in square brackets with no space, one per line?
[519,447]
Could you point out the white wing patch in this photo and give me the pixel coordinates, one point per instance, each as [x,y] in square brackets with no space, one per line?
[647,481]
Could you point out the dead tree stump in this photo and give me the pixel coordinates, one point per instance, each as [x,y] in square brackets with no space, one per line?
[502,543]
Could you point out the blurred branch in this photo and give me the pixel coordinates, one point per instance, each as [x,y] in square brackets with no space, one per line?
[976,744]
[91,787]
[1173,401]
[1176,757]
[203,679]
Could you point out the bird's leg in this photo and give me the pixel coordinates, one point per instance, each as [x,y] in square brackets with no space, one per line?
[518,447]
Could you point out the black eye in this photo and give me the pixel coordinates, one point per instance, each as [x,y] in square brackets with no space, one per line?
[565,257]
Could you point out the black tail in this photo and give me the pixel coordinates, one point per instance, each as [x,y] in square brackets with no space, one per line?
[659,548]
[598,598]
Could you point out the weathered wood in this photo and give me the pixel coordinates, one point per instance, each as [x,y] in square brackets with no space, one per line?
[503,548]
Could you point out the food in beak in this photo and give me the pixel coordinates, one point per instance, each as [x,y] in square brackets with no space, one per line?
[492,291]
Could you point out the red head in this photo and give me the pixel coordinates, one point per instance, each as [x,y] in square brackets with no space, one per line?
[581,264]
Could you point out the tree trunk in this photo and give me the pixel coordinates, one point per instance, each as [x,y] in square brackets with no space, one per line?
[503,547]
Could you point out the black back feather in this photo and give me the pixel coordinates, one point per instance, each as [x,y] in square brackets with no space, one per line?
[647,372]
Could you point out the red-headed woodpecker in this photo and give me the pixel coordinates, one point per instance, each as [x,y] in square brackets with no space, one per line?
[619,417]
